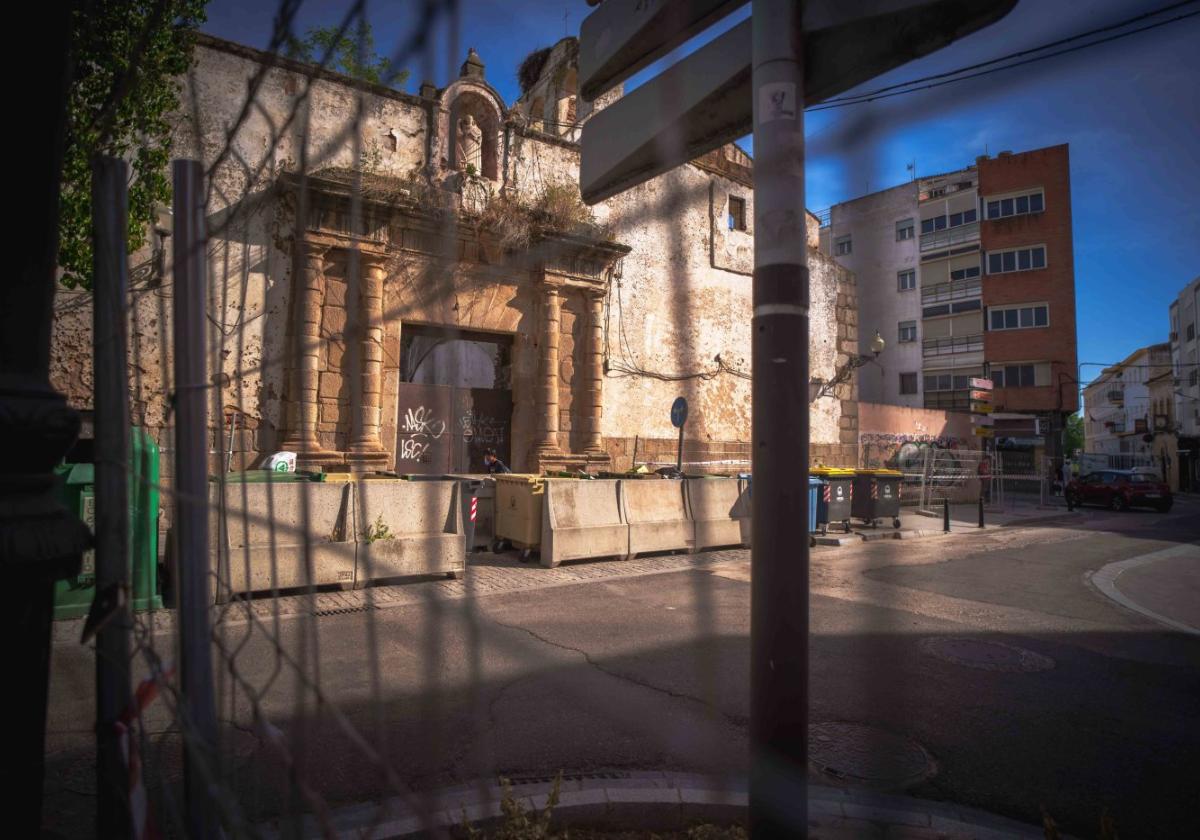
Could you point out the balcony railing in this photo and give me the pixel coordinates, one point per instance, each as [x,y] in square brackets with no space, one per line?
[952,236]
[943,292]
[951,345]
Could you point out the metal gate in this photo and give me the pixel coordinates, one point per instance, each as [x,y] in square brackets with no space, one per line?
[441,429]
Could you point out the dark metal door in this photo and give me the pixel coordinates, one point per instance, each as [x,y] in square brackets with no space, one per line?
[425,428]
[482,421]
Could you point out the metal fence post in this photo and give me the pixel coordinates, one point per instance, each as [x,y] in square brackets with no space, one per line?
[111,608]
[191,495]
[779,586]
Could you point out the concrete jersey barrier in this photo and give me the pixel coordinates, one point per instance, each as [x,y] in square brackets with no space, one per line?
[657,515]
[582,519]
[720,511]
[263,546]
[408,528]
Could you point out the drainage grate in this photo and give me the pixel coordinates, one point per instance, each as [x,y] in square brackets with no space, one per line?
[345,610]
[985,655]
[853,752]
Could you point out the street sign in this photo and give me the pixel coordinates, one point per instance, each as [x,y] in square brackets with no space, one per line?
[623,36]
[679,412]
[982,408]
[705,100]
[984,432]
[981,396]
[981,384]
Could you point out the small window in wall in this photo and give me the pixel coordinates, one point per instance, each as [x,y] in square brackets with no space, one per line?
[908,331]
[1019,259]
[906,280]
[737,213]
[1018,205]
[908,383]
[842,246]
[1017,376]
[964,273]
[1018,317]
[904,229]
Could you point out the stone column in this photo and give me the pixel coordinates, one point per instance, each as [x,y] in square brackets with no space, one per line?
[365,445]
[593,409]
[547,394]
[304,337]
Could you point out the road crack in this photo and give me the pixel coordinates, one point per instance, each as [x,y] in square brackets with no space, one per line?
[736,720]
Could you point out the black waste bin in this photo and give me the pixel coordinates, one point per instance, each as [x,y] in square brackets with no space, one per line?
[876,496]
[834,503]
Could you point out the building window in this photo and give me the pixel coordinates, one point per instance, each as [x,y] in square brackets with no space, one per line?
[964,273]
[842,246]
[908,383]
[966,306]
[1191,332]
[904,229]
[1018,317]
[953,220]
[1017,205]
[1019,259]
[1021,376]
[947,381]
[908,331]
[737,213]
[906,280]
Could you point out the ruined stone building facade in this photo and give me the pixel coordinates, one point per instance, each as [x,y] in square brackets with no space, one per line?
[399,280]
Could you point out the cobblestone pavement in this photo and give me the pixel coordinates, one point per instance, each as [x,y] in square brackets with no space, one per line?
[488,574]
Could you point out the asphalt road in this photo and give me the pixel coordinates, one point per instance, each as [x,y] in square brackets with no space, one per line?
[650,673]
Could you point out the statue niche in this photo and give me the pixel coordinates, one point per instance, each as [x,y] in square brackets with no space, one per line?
[474,128]
[468,148]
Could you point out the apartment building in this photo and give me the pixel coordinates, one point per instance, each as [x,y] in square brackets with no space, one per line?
[1184,315]
[970,274]
[1122,407]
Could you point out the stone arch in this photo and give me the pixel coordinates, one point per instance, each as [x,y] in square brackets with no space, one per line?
[565,99]
[537,113]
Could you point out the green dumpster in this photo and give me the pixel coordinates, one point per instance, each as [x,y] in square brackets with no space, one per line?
[76,485]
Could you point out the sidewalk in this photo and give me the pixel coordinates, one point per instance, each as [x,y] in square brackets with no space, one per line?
[665,801]
[1164,586]
[964,519]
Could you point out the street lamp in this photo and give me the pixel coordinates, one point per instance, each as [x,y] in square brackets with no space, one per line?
[852,364]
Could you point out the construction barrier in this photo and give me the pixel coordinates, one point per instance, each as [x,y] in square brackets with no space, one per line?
[582,519]
[657,516]
[274,530]
[720,511]
[408,528]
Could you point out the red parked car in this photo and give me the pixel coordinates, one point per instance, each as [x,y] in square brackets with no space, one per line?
[1119,490]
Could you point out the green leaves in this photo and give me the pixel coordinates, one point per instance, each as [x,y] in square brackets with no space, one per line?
[129,56]
[352,55]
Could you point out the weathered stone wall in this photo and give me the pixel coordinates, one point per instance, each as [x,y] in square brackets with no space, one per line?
[676,314]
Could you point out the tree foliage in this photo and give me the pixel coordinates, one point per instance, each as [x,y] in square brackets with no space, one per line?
[128,57]
[352,54]
[1073,435]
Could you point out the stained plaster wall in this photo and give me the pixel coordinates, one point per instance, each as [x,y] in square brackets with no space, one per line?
[681,298]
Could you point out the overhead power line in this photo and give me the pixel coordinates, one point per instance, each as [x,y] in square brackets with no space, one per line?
[951,76]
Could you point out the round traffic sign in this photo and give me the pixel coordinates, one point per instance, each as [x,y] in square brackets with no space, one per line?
[679,411]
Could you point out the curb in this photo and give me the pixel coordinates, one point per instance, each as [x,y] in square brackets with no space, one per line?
[1105,581]
[665,801]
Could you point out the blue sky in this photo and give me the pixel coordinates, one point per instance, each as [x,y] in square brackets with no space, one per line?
[1129,109]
